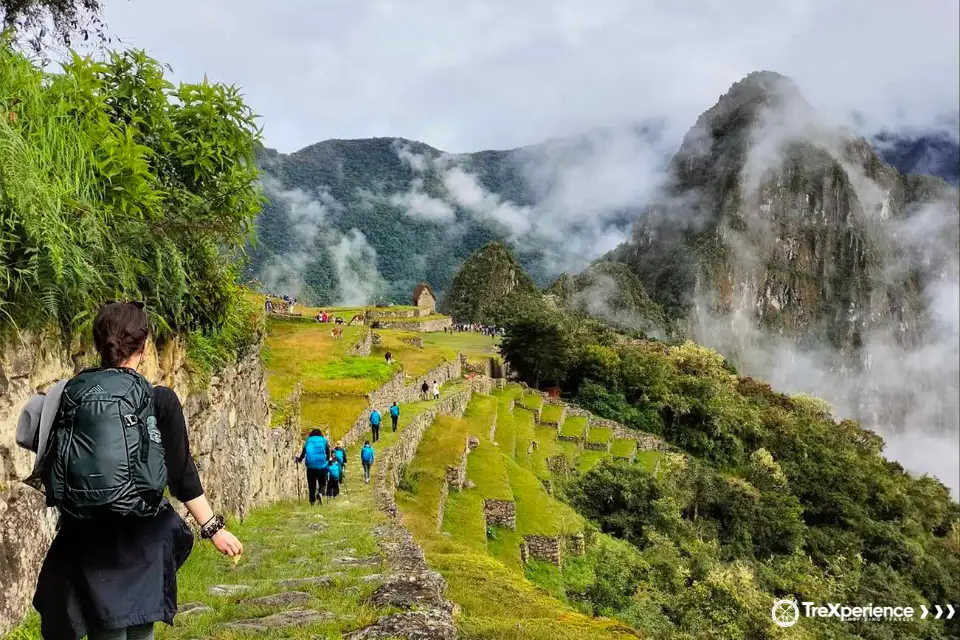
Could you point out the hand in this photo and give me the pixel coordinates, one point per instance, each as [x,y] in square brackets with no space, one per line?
[227,543]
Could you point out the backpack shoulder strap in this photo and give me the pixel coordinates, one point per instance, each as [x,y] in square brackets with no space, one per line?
[48,414]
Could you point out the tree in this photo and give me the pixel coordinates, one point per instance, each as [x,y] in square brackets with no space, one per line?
[68,18]
[537,345]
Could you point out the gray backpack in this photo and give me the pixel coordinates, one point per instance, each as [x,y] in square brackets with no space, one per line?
[104,456]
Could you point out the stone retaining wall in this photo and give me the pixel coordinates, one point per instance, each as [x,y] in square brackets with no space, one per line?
[425,326]
[576,544]
[395,459]
[500,513]
[558,464]
[596,446]
[645,441]
[545,548]
[242,461]
[373,314]
[363,344]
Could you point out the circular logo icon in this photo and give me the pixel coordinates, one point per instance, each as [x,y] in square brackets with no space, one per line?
[785,613]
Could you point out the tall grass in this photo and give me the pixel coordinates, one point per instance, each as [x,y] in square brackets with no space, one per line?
[114,184]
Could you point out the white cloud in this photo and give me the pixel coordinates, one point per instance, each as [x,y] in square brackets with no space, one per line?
[500,73]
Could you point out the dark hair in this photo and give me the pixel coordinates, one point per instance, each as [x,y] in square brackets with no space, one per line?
[366,442]
[316,432]
[119,331]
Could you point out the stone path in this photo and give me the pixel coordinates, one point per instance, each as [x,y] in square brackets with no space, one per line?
[343,569]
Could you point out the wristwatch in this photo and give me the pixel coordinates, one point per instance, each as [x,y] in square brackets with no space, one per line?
[212,526]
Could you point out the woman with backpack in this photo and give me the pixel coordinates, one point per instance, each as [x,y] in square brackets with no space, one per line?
[315,452]
[116,445]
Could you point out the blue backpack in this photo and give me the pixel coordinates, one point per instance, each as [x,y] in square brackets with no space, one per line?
[341,456]
[395,411]
[366,454]
[335,471]
[316,452]
[375,418]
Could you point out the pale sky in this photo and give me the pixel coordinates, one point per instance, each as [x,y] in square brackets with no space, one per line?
[464,75]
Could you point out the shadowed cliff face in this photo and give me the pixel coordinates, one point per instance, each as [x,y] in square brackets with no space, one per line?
[794,250]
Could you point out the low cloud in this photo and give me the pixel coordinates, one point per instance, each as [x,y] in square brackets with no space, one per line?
[310,216]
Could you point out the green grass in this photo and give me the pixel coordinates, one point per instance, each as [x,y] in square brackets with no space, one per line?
[524,432]
[571,450]
[548,446]
[574,426]
[648,460]
[623,448]
[538,513]
[551,413]
[505,434]
[485,467]
[463,518]
[333,413]
[600,434]
[589,459]
[468,343]
[531,400]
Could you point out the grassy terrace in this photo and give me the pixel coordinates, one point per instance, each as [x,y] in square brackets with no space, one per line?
[648,460]
[524,432]
[538,513]
[589,459]
[551,413]
[623,448]
[600,435]
[505,435]
[485,576]
[531,400]
[575,426]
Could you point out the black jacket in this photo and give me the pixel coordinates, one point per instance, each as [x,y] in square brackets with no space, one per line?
[109,575]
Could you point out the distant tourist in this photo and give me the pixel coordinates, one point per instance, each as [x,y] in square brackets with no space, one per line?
[366,459]
[425,389]
[436,390]
[334,476]
[389,357]
[341,455]
[375,424]
[394,415]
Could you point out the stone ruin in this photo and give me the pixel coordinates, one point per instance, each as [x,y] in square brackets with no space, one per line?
[424,300]
[500,513]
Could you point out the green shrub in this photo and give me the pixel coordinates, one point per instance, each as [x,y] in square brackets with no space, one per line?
[116,184]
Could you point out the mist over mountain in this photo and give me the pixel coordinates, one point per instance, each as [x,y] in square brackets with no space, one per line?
[935,152]
[792,248]
[405,212]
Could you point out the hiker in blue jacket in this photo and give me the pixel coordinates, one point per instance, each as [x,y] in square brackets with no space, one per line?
[334,474]
[394,415]
[316,452]
[375,424]
[366,459]
[341,455]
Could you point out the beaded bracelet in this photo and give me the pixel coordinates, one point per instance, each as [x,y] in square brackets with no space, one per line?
[210,529]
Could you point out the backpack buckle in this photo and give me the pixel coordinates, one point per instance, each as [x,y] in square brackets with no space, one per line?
[131,420]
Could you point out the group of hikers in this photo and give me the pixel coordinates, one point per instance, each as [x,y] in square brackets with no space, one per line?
[277,304]
[485,329]
[326,467]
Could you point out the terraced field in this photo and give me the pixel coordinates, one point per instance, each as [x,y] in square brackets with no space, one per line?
[504,512]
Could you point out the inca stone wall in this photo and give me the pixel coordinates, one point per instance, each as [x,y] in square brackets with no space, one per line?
[363,344]
[242,461]
[500,513]
[546,548]
[596,446]
[424,326]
